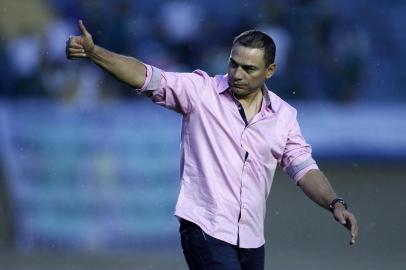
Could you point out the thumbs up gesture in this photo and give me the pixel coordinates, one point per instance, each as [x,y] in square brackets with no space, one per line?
[80,46]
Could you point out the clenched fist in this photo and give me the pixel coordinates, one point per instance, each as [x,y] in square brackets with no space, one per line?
[80,46]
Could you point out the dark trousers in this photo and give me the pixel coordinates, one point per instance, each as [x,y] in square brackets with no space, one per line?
[203,252]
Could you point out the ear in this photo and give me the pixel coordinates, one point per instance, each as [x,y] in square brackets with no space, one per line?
[270,70]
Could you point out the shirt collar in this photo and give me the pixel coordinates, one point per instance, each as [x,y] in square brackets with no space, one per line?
[224,86]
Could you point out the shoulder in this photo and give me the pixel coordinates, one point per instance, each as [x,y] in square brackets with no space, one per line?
[280,106]
[197,79]
[201,73]
[220,82]
[197,74]
[200,78]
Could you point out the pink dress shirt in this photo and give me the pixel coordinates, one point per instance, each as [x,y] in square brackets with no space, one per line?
[227,167]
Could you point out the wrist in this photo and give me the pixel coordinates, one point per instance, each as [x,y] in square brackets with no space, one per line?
[337,203]
[92,53]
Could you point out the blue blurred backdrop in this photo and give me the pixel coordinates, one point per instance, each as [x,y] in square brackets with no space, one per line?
[89,170]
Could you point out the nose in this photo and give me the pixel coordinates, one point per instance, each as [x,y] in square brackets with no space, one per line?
[237,74]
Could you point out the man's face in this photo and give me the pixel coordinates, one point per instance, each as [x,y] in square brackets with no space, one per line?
[246,70]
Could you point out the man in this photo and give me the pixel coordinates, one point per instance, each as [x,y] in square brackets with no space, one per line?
[234,134]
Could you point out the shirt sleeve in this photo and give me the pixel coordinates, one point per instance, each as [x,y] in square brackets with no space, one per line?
[297,157]
[176,91]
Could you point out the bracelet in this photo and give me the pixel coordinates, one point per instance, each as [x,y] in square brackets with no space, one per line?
[335,201]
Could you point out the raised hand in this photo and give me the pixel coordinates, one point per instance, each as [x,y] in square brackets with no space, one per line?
[80,46]
[126,69]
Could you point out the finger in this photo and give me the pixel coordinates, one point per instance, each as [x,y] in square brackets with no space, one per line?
[75,42]
[354,230]
[82,28]
[341,218]
[77,55]
[75,46]
[74,50]
[75,58]
[352,226]
[70,49]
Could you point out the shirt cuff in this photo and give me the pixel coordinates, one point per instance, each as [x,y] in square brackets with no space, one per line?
[299,170]
[152,81]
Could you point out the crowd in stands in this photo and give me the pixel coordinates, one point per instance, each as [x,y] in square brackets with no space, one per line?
[326,50]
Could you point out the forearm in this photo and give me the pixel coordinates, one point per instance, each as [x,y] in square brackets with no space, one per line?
[316,186]
[126,69]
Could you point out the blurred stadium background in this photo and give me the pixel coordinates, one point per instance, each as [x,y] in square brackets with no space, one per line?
[89,170]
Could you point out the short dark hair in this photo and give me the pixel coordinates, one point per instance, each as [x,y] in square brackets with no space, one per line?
[259,40]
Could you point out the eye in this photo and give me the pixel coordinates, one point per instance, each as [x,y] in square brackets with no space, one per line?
[249,69]
[232,64]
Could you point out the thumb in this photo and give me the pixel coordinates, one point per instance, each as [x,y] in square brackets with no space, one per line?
[82,28]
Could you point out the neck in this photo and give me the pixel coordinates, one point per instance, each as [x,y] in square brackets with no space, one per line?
[250,98]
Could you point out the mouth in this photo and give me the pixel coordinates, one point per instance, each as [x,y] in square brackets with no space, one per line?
[237,85]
